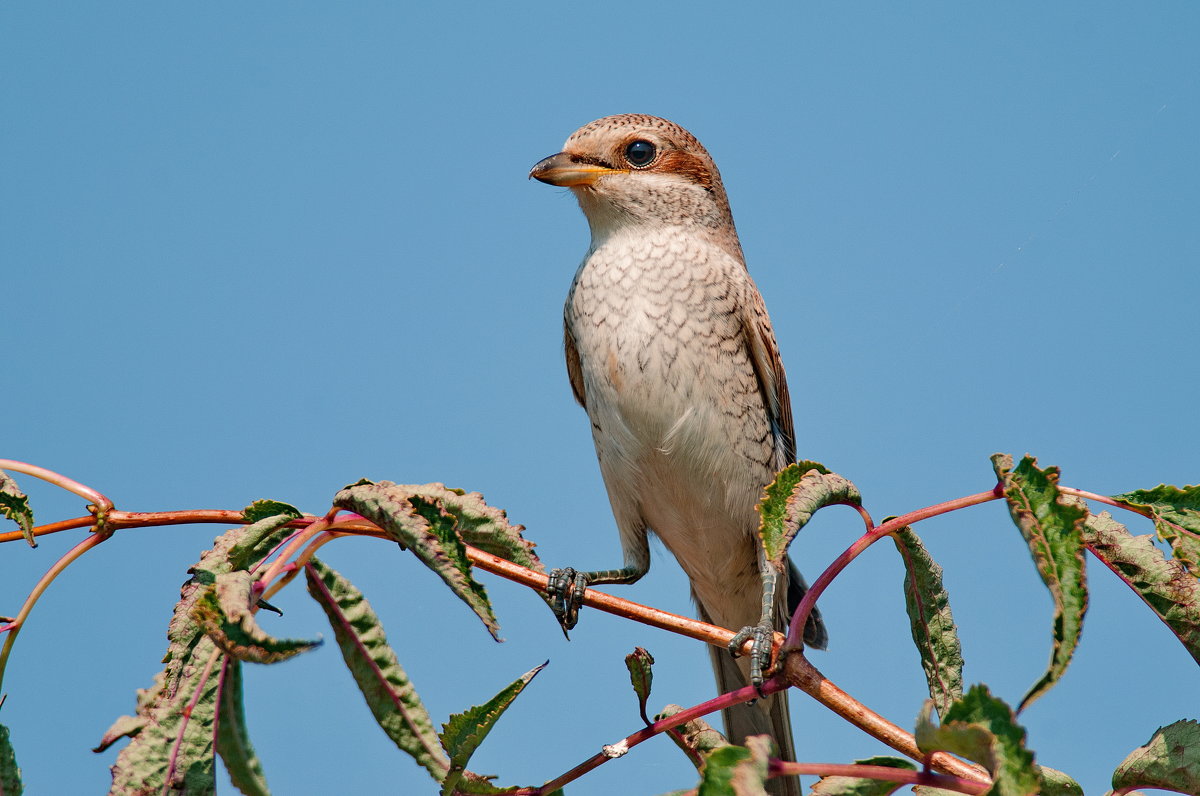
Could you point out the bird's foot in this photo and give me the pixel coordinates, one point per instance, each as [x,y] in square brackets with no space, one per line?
[565,588]
[763,635]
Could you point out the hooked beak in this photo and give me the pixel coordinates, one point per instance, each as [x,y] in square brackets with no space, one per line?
[563,170]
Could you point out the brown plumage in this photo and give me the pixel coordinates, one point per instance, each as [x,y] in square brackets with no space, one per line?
[670,350]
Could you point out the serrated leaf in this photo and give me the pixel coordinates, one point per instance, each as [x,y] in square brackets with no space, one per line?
[262,509]
[10,775]
[1052,526]
[166,719]
[256,541]
[384,684]
[722,767]
[233,737]
[15,505]
[173,750]
[1176,514]
[224,611]
[477,785]
[462,734]
[1055,783]
[415,519]
[696,738]
[789,501]
[861,786]
[123,727]
[1169,760]
[982,729]
[483,526]
[931,621]
[641,676]
[1163,583]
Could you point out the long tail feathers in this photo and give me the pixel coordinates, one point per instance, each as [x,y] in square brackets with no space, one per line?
[769,716]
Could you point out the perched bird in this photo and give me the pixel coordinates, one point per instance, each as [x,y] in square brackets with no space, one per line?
[670,351]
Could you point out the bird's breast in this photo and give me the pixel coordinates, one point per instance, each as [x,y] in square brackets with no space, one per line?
[665,367]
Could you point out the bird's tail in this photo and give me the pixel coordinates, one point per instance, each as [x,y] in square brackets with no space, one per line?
[766,716]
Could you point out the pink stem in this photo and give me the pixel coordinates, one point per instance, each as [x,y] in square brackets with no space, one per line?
[14,627]
[796,629]
[102,503]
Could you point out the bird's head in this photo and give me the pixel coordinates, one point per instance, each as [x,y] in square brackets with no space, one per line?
[634,170]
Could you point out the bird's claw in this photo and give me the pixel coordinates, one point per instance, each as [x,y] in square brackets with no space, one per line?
[760,651]
[565,588]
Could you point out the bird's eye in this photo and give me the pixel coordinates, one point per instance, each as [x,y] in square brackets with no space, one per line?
[640,153]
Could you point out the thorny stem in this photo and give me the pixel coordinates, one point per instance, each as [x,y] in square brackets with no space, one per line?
[14,627]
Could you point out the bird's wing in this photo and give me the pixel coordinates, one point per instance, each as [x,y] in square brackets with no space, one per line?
[768,368]
[574,367]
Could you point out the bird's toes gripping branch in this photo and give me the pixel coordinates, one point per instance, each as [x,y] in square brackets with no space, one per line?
[566,587]
[763,635]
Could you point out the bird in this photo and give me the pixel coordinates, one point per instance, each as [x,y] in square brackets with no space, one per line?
[671,352]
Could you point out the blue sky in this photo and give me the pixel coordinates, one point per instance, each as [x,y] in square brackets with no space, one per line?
[265,250]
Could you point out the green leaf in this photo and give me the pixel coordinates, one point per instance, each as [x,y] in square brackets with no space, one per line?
[982,729]
[1052,527]
[1176,514]
[15,505]
[255,542]
[1163,583]
[262,509]
[696,738]
[173,740]
[475,784]
[1055,783]
[463,733]
[173,749]
[641,677]
[733,771]
[224,611]
[233,737]
[373,664]
[425,519]
[861,786]
[932,623]
[10,775]
[792,498]
[1169,760]
[483,526]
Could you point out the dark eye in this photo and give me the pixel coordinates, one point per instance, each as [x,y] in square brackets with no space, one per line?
[640,153]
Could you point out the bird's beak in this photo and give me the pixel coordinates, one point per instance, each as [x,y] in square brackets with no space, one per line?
[564,171]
